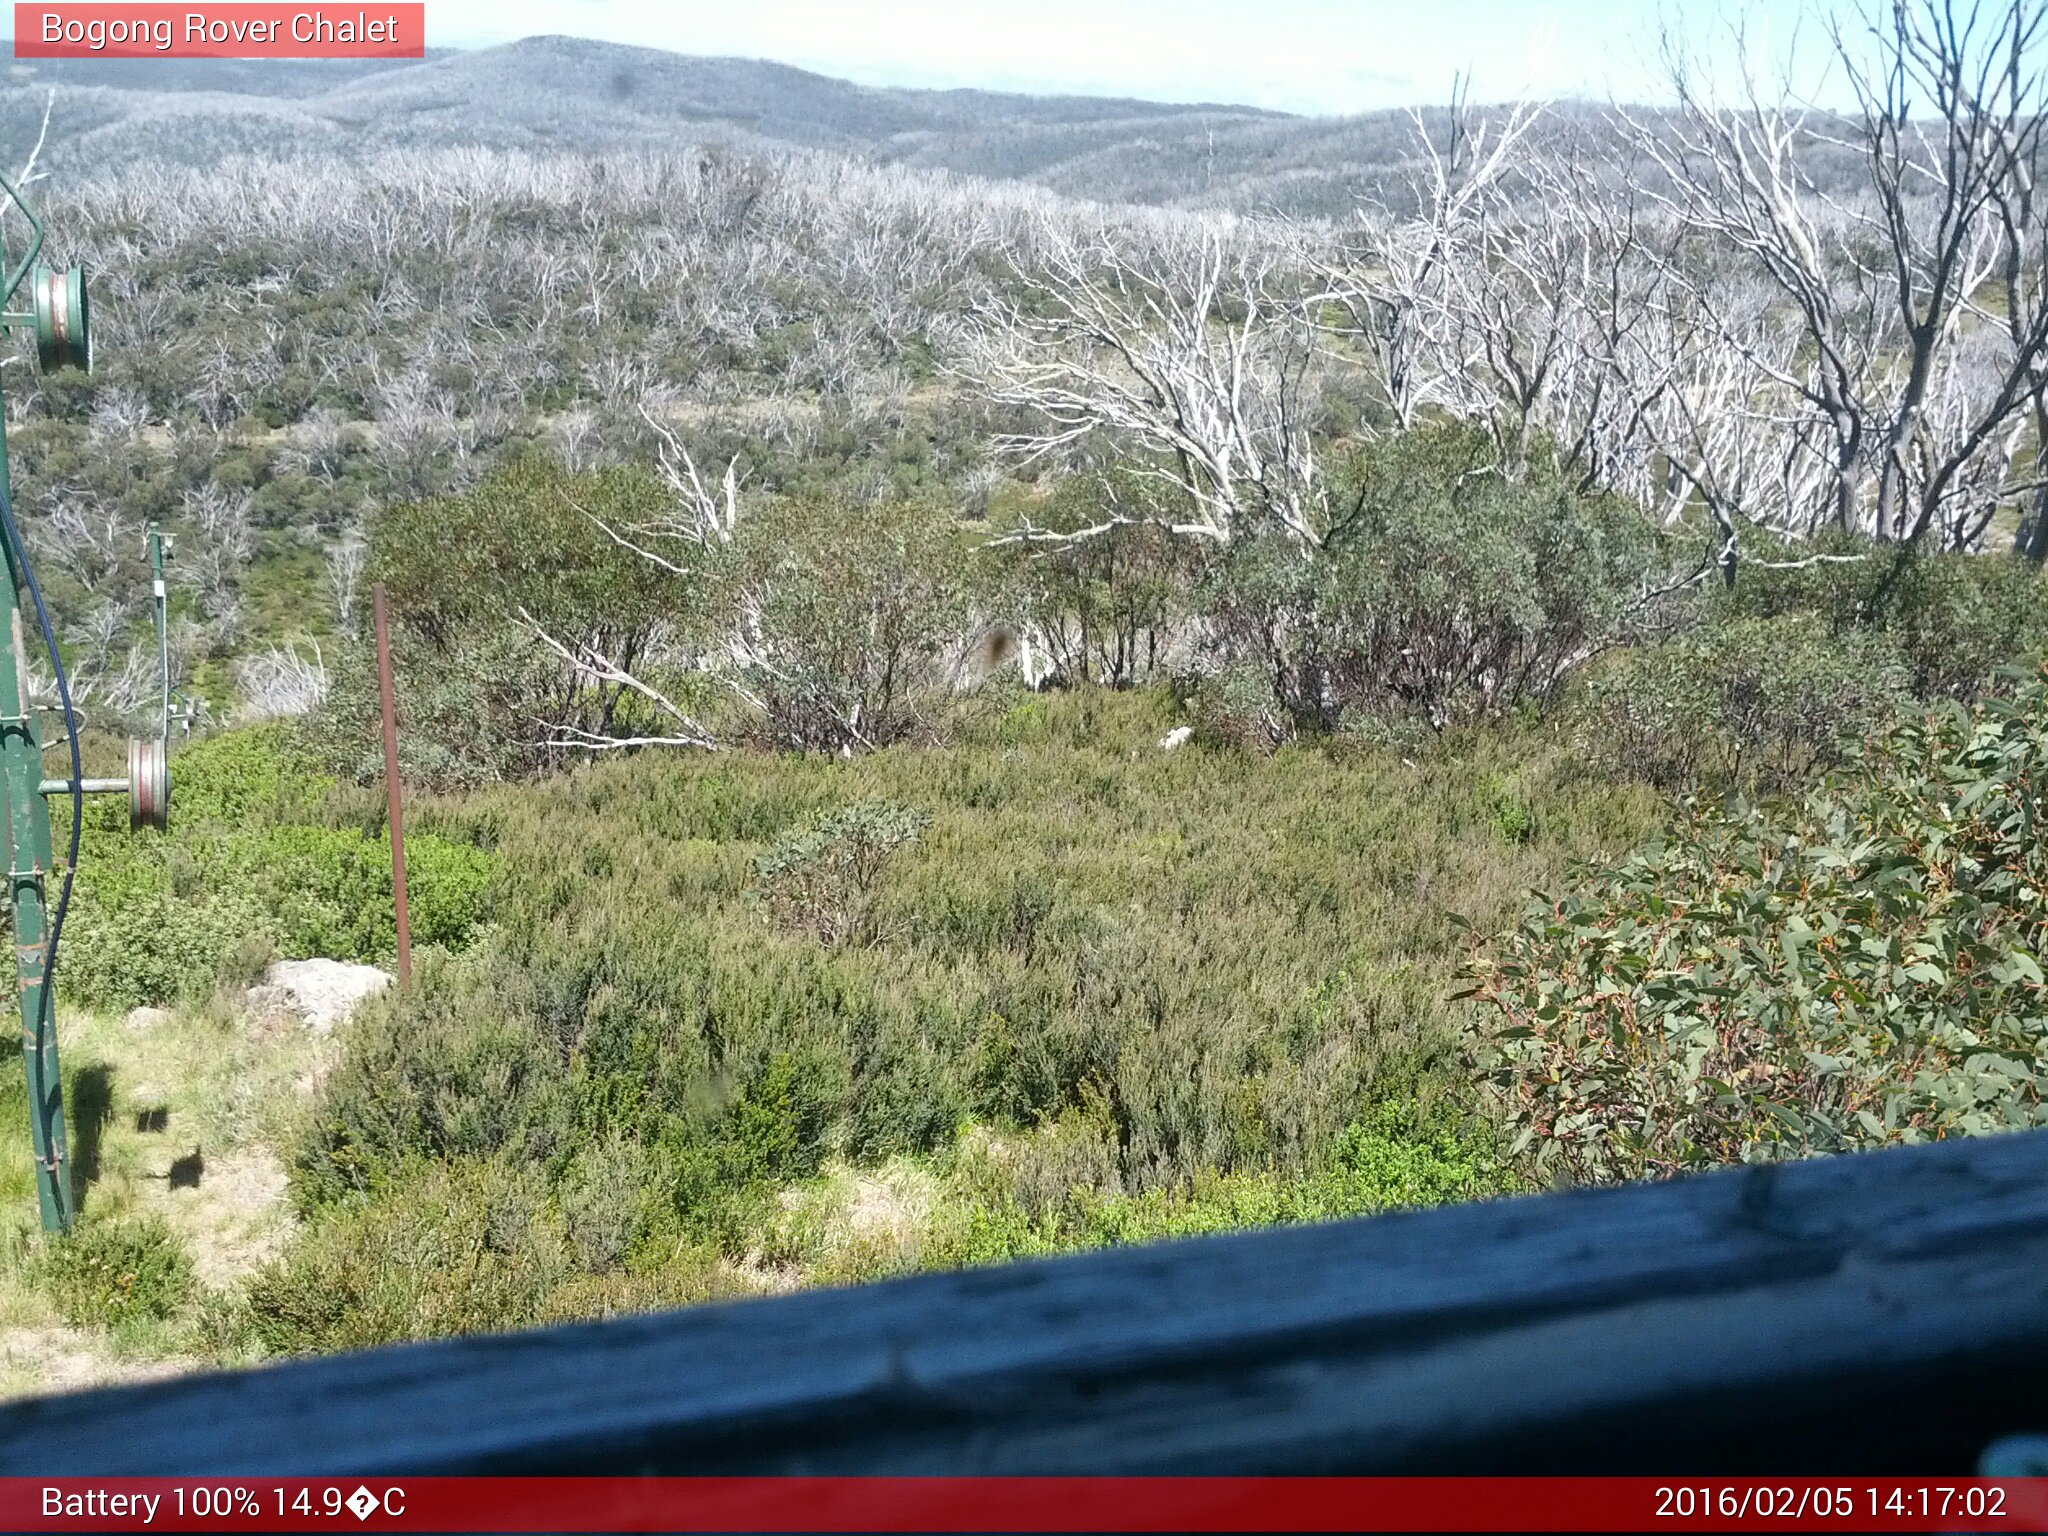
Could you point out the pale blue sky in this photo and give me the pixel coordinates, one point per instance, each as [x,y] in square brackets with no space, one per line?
[1295,55]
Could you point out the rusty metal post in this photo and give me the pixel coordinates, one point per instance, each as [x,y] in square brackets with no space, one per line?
[391,787]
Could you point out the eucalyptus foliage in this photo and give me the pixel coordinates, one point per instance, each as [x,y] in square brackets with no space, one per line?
[1855,969]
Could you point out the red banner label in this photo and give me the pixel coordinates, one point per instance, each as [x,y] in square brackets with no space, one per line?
[1021,1504]
[98,31]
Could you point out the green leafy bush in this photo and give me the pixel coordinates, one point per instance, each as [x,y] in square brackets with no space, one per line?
[1952,620]
[458,1247]
[471,577]
[257,774]
[152,945]
[1443,589]
[1859,968]
[1762,703]
[329,888]
[822,881]
[1000,1207]
[1512,812]
[246,869]
[1237,707]
[468,711]
[523,605]
[1117,607]
[168,922]
[107,1273]
[461,1070]
[853,619]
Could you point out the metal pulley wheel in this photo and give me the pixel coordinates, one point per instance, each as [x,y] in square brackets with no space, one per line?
[149,784]
[63,319]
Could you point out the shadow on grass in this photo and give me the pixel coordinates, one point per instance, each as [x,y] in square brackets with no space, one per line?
[92,1106]
[188,1170]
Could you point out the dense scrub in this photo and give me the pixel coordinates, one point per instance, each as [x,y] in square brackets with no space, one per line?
[883,930]
[888,958]
[708,1022]
[1769,683]
[1097,989]
[545,614]
[1444,591]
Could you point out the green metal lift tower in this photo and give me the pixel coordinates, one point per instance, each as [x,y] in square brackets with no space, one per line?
[56,311]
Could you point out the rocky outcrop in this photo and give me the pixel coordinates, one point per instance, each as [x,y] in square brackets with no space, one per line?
[321,993]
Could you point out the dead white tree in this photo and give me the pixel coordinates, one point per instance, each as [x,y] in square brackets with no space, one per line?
[347,558]
[1951,102]
[27,173]
[1395,285]
[1737,177]
[90,537]
[590,667]
[218,548]
[1553,289]
[2014,190]
[281,682]
[1886,278]
[703,516]
[1197,355]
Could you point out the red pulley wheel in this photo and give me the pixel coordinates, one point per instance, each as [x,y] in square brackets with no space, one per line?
[149,784]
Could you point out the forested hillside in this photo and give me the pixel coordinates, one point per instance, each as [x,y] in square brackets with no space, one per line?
[983,675]
[565,94]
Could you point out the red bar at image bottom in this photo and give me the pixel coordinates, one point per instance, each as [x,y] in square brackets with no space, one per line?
[1021,1504]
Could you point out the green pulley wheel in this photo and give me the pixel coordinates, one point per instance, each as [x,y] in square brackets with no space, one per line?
[63,319]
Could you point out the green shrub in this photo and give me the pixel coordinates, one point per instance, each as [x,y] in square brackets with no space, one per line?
[457,1070]
[329,889]
[1236,706]
[1761,703]
[1114,608]
[256,774]
[1510,810]
[468,708]
[854,618]
[462,1247]
[471,576]
[845,623]
[1953,620]
[450,887]
[244,875]
[107,1273]
[1857,969]
[154,946]
[1007,1202]
[775,1133]
[822,881]
[135,936]
[1444,590]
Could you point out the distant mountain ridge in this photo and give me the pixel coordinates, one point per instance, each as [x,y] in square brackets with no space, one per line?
[577,94]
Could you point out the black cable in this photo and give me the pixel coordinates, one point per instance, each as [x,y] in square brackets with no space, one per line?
[28,574]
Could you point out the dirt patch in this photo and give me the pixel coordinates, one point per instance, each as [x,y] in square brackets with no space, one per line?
[234,1217]
[894,1210]
[60,1359]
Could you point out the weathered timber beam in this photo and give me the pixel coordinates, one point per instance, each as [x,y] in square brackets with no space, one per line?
[1884,1312]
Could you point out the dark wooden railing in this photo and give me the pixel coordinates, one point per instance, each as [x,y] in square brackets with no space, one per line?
[1879,1313]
